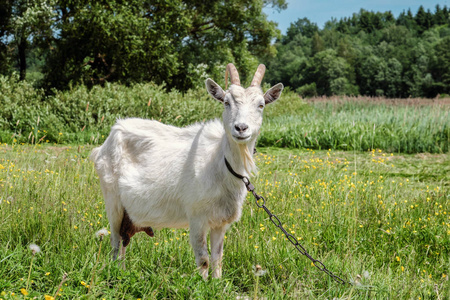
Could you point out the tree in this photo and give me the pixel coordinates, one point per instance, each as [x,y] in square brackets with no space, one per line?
[302,26]
[393,78]
[372,51]
[331,74]
[162,41]
[424,19]
[407,20]
[317,43]
[5,16]
[440,68]
[26,23]
[288,66]
[371,76]
[440,18]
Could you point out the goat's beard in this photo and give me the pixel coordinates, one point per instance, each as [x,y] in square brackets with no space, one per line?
[247,159]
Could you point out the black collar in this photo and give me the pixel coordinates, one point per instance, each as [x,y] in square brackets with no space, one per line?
[232,171]
[244,179]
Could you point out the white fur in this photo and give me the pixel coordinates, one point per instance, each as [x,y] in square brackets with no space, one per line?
[165,176]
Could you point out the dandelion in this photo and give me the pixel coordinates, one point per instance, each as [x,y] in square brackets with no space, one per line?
[24,292]
[99,234]
[258,272]
[35,249]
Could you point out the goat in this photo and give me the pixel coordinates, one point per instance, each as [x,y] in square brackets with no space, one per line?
[157,176]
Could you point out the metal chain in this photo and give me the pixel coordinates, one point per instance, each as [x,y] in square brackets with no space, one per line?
[274,219]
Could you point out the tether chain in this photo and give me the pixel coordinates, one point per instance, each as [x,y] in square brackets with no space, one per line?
[274,219]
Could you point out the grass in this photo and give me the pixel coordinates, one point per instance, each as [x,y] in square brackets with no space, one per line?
[401,126]
[382,216]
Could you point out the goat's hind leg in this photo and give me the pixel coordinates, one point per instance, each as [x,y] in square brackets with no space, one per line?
[114,211]
[127,230]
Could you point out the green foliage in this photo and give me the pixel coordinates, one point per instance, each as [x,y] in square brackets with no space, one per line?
[24,24]
[86,115]
[370,53]
[83,115]
[180,43]
[331,74]
[307,90]
[177,43]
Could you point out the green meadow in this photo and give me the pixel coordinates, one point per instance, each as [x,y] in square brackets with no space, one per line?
[362,183]
[379,220]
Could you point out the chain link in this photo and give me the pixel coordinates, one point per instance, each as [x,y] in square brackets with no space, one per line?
[274,219]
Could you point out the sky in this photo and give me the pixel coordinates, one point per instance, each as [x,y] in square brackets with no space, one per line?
[320,11]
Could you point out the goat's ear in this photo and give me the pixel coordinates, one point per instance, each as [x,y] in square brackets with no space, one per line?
[215,90]
[273,93]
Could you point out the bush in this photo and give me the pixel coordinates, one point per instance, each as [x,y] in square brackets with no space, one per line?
[82,115]
[308,90]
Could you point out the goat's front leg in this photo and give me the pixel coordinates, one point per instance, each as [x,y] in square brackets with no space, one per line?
[197,236]
[216,237]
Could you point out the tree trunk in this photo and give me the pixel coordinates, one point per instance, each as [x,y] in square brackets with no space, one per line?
[22,59]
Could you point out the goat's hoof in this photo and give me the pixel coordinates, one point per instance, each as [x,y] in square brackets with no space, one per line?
[203,270]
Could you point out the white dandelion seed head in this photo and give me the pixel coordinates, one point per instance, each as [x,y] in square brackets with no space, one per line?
[34,248]
[258,271]
[101,233]
[366,274]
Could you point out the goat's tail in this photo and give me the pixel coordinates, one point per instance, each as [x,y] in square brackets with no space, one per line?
[107,158]
[94,154]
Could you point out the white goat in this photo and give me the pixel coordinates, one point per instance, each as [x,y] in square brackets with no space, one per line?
[155,176]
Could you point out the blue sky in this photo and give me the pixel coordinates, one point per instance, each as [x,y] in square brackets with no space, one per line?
[320,11]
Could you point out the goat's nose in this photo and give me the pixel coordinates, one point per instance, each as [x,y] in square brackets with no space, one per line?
[241,127]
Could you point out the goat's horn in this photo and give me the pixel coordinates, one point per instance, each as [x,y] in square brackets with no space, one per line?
[258,75]
[234,76]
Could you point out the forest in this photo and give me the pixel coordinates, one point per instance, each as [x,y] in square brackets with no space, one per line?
[59,44]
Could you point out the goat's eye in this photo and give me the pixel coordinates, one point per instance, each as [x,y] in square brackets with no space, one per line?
[227,104]
[261,106]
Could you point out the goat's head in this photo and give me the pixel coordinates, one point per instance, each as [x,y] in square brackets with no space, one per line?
[243,108]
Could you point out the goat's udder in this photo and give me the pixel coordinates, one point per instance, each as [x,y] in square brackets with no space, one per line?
[128,229]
